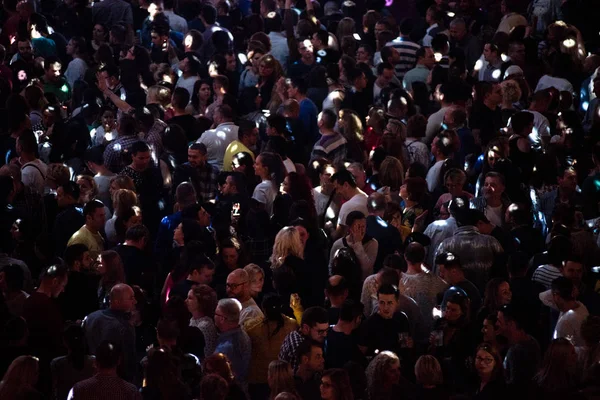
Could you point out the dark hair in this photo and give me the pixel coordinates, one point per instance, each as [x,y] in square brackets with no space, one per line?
[350,310]
[180,98]
[396,262]
[272,307]
[354,216]
[71,189]
[520,121]
[563,287]
[559,250]
[91,206]
[209,13]
[40,22]
[305,348]
[74,339]
[516,314]
[449,260]
[300,84]
[329,118]
[314,315]
[127,125]
[27,142]
[139,147]
[137,232]
[389,289]
[14,277]
[340,382]
[337,290]
[414,253]
[278,123]
[344,176]
[108,355]
[74,253]
[95,154]
[383,66]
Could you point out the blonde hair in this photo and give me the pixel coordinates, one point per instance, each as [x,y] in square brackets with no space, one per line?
[376,373]
[59,173]
[287,243]
[253,271]
[21,374]
[511,91]
[280,378]
[94,186]
[161,94]
[123,200]
[123,182]
[353,129]
[428,371]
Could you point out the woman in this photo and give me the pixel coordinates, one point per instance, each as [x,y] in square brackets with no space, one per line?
[257,280]
[266,336]
[415,130]
[120,182]
[110,268]
[346,27]
[201,302]
[511,93]
[351,128]
[393,141]
[130,217]
[75,366]
[250,75]
[201,98]
[335,385]
[454,180]
[281,379]
[391,176]
[161,378]
[99,36]
[559,376]
[20,379]
[298,187]
[88,188]
[243,163]
[107,131]
[497,294]
[383,377]
[269,168]
[220,365]
[430,379]
[122,201]
[269,71]
[488,366]
[141,58]
[375,127]
[412,194]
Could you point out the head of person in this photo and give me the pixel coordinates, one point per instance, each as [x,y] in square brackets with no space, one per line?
[22,374]
[344,183]
[387,299]
[238,285]
[297,88]
[248,133]
[67,194]
[213,387]
[511,320]
[111,75]
[219,364]
[457,309]
[559,368]
[315,323]
[256,278]
[497,294]
[567,180]
[268,166]
[108,355]
[122,298]
[335,385]
[428,371]
[26,144]
[572,269]
[94,215]
[54,279]
[563,292]
[202,300]
[425,57]
[201,269]
[197,155]
[140,156]
[357,225]
[230,251]
[227,314]
[25,49]
[336,289]
[488,363]
[493,186]
[449,267]
[458,29]
[327,120]
[310,355]
[414,253]
[77,257]
[382,373]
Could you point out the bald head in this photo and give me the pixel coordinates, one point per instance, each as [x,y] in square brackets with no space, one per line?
[238,285]
[122,298]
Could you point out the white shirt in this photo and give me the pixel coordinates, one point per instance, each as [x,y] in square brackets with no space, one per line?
[216,142]
[559,84]
[433,177]
[358,202]
[33,174]
[434,123]
[187,83]
[265,193]
[75,70]
[494,215]
[569,325]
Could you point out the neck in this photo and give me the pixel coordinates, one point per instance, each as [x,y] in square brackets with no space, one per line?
[244,298]
[344,327]
[327,132]
[197,314]
[489,104]
[517,337]
[494,201]
[569,305]
[26,157]
[456,278]
[178,111]
[45,290]
[107,372]
[300,97]
[409,203]
[440,157]
[304,372]
[91,229]
[414,268]
[101,170]
[507,104]
[563,194]
[133,244]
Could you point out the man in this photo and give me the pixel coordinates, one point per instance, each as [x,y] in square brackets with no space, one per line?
[559,250]
[139,266]
[77,67]
[202,175]
[451,271]
[455,118]
[112,77]
[53,81]
[232,202]
[189,67]
[572,312]
[385,78]
[540,102]
[442,149]
[114,158]
[33,170]
[89,233]
[308,110]
[306,63]
[80,295]
[233,341]
[320,42]
[526,237]
[42,45]
[406,48]
[200,271]
[447,94]
[247,138]
[185,196]
[313,327]
[112,12]
[279,47]
[94,160]
[480,254]
[12,283]
[70,217]
[381,330]
[360,176]
[336,292]
[523,357]
[435,19]
[420,73]
[387,236]
[355,200]
[176,22]
[332,145]
[494,201]
[22,63]
[106,383]
[490,68]
[420,284]
[486,118]
[216,140]
[565,193]
[358,98]
[460,38]
[311,365]
[181,115]
[238,287]
[342,343]
[113,325]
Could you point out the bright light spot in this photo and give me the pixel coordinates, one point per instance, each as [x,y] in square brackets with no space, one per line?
[109,136]
[46,145]
[356,36]
[272,14]
[330,213]
[450,14]
[496,74]
[93,133]
[64,88]
[242,57]
[403,100]
[230,36]
[561,23]
[346,164]
[123,96]
[167,78]
[188,41]
[478,65]
[585,105]
[117,147]
[179,73]
[504,57]
[568,43]
[315,164]
[438,57]
[308,44]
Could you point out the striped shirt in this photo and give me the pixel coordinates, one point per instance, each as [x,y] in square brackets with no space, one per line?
[408,56]
[332,147]
[545,274]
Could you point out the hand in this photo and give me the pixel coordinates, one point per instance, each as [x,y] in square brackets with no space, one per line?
[101,83]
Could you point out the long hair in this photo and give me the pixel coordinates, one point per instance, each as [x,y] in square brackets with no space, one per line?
[218,364]
[497,373]
[74,339]
[113,265]
[206,298]
[353,127]
[287,243]
[376,373]
[280,378]
[272,308]
[161,374]
[340,383]
[391,173]
[491,300]
[559,368]
[301,189]
[274,164]
[428,371]
[21,374]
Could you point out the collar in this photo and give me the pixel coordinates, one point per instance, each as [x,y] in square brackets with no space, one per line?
[466,230]
[224,124]
[432,27]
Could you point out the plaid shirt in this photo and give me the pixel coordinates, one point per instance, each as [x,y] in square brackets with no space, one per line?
[114,158]
[288,349]
[204,180]
[154,137]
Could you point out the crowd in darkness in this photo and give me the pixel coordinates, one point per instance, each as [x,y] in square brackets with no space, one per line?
[299,199]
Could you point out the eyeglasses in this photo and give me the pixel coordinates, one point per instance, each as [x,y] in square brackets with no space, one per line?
[235,285]
[484,360]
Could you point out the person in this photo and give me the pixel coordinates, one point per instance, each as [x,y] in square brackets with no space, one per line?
[247,138]
[77,67]
[384,380]
[199,172]
[311,365]
[420,73]
[572,312]
[219,364]
[558,251]
[216,140]
[80,295]
[213,387]
[89,233]
[335,385]
[442,149]
[201,302]
[201,270]
[332,145]
[558,374]
[523,356]
[20,379]
[113,325]
[450,270]
[233,341]
[269,168]
[308,110]
[429,378]
[238,287]
[355,200]
[281,379]
[106,381]
[497,294]
[342,346]
[406,48]
[488,365]
[33,170]
[313,327]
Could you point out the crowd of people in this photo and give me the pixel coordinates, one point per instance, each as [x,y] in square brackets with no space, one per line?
[299,200]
